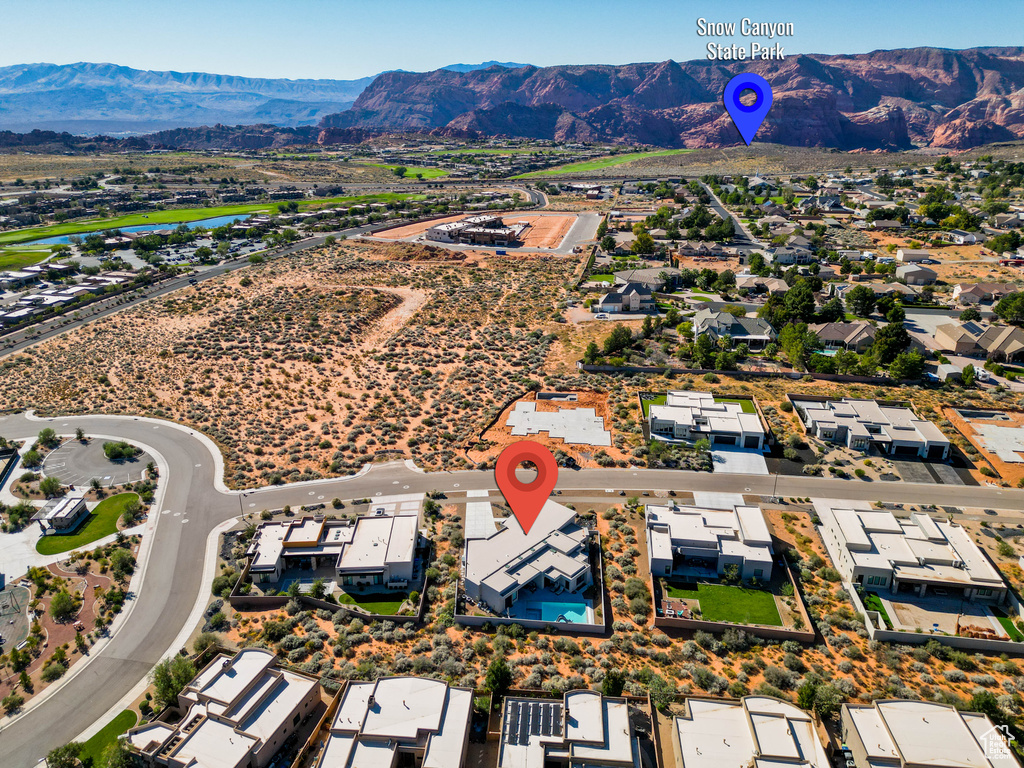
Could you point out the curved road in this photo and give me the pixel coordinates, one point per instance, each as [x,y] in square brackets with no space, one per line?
[173,583]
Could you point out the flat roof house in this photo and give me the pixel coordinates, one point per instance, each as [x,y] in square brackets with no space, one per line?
[752,331]
[62,514]
[863,424]
[876,549]
[757,731]
[902,734]
[554,554]
[399,721]
[692,416]
[585,729]
[238,713]
[374,550]
[684,538]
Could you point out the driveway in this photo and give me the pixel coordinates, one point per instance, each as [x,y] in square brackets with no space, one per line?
[736,461]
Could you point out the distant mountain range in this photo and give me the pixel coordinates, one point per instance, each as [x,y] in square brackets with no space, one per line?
[884,99]
[105,98]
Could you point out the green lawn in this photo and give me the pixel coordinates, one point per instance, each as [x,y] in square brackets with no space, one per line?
[747,406]
[411,171]
[1011,629]
[700,298]
[101,522]
[93,749]
[874,603]
[598,163]
[11,258]
[646,404]
[180,215]
[736,605]
[603,278]
[381,603]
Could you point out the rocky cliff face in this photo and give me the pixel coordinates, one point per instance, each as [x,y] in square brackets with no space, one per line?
[884,99]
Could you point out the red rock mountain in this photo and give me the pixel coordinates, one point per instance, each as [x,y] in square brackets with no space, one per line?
[884,99]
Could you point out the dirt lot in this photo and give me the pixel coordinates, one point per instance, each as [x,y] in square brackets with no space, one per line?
[545,230]
[1012,473]
[498,437]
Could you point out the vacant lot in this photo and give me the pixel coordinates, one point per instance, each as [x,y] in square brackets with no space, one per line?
[314,365]
[544,230]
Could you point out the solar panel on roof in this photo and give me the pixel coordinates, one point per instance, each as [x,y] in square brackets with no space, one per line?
[513,723]
[557,725]
[524,728]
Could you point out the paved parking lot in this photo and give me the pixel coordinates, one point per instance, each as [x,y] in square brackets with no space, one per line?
[77,463]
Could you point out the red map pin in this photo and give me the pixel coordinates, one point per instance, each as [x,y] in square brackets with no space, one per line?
[526,499]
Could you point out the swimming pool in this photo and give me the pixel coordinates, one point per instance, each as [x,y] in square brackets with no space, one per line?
[575,613]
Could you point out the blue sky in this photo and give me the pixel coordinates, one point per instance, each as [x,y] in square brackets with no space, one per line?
[345,39]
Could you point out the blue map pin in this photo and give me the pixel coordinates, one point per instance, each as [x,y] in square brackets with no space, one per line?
[748,119]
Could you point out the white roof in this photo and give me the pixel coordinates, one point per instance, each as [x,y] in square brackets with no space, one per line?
[690,407]
[380,541]
[730,734]
[741,530]
[926,733]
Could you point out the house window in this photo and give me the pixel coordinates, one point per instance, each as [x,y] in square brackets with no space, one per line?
[295,720]
[984,592]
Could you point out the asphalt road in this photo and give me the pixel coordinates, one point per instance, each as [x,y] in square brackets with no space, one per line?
[173,583]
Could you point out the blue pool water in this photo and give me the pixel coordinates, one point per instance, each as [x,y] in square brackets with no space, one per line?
[573,612]
[216,221]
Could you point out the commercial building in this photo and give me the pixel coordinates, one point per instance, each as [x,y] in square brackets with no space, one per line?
[692,416]
[875,549]
[756,731]
[399,721]
[693,540]
[865,424]
[583,730]
[237,713]
[555,554]
[905,734]
[378,550]
[474,230]
[64,514]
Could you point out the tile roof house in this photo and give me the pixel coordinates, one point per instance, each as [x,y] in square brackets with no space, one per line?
[976,339]
[981,293]
[755,332]
[653,278]
[758,284]
[855,337]
[631,297]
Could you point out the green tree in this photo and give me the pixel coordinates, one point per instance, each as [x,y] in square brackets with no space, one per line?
[703,351]
[400,171]
[861,300]
[170,677]
[48,438]
[890,341]
[644,244]
[832,311]
[1011,308]
[798,343]
[607,243]
[907,365]
[318,589]
[122,564]
[591,353]
[799,302]
[64,757]
[620,338]
[613,683]
[62,607]
[968,375]
[118,755]
[79,434]
[896,315]
[499,676]
[50,486]
[970,315]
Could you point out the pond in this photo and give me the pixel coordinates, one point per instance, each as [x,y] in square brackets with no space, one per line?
[217,221]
